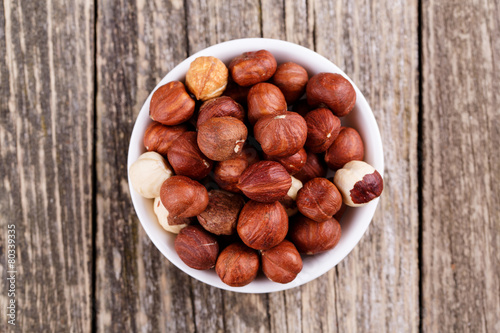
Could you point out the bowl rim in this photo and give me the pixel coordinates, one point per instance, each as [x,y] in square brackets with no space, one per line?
[279,49]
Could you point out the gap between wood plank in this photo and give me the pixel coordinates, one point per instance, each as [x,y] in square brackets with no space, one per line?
[420,155]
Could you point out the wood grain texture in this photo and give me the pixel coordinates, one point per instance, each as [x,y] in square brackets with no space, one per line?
[46,145]
[461,195]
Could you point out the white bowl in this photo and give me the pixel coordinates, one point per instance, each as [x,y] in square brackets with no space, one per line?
[355,220]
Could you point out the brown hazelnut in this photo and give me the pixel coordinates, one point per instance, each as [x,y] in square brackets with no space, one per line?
[169,223]
[227,173]
[206,77]
[313,168]
[252,67]
[333,91]
[302,107]
[236,92]
[281,135]
[222,138]
[348,146]
[281,263]
[237,265]
[311,237]
[221,215]
[171,104]
[262,225]
[159,137]
[187,159]
[319,199]
[265,99]
[223,106]
[291,78]
[322,129]
[292,163]
[183,197]
[196,247]
[359,183]
[265,181]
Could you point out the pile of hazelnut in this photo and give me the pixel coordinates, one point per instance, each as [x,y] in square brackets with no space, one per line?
[232,127]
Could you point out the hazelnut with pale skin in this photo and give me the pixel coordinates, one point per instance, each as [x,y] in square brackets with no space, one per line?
[148,173]
[359,183]
[289,201]
[169,223]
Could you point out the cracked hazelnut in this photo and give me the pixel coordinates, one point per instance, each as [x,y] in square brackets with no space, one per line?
[281,135]
[265,181]
[186,158]
[171,104]
[289,201]
[262,225]
[237,265]
[322,129]
[319,199]
[222,138]
[227,173]
[293,163]
[196,247]
[206,78]
[281,263]
[148,173]
[159,137]
[252,67]
[348,146]
[183,197]
[169,223]
[359,183]
[221,215]
[265,99]
[223,106]
[311,237]
[291,78]
[333,91]
[313,168]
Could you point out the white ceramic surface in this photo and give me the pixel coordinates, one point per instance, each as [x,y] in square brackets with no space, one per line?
[355,220]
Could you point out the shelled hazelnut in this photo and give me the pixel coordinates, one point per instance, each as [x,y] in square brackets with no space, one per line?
[265,99]
[314,167]
[159,137]
[169,223]
[252,67]
[223,106]
[322,129]
[148,173]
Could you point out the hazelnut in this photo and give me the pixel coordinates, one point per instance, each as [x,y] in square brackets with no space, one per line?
[223,106]
[206,78]
[148,173]
[281,263]
[222,138]
[265,99]
[262,225]
[159,137]
[171,104]
[227,173]
[252,67]
[293,163]
[291,78]
[187,159]
[281,135]
[289,201]
[196,247]
[311,237]
[236,92]
[359,183]
[347,147]
[221,215]
[322,129]
[183,197]
[265,181]
[169,223]
[313,168]
[319,199]
[333,91]
[237,265]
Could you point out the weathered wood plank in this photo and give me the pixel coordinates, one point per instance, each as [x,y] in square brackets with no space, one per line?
[461,219]
[46,140]
[376,44]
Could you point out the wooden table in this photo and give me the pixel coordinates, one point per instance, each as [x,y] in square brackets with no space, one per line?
[73,76]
